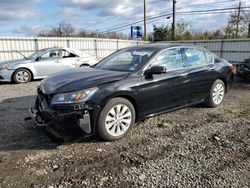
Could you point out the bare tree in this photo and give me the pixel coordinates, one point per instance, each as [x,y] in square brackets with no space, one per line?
[246,16]
[62,30]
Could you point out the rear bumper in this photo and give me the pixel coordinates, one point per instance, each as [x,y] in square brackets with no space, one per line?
[44,115]
[6,74]
[242,73]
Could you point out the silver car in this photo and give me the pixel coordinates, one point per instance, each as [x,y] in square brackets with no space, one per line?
[43,63]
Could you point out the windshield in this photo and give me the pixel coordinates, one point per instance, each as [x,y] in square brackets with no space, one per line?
[128,60]
[36,54]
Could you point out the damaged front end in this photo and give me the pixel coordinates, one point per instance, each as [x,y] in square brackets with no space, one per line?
[47,113]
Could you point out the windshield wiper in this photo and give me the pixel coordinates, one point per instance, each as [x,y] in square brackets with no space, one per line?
[21,54]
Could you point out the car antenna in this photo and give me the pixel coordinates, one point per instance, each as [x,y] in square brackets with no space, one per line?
[21,54]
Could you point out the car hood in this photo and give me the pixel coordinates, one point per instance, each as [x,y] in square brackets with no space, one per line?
[15,62]
[79,79]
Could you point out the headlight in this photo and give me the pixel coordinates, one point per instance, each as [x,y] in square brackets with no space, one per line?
[74,97]
[4,66]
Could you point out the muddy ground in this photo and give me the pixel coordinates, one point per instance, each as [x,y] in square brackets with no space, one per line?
[192,147]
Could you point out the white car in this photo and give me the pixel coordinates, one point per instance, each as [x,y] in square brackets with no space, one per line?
[43,63]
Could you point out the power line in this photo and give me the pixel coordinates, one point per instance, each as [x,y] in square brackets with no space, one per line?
[161,18]
[102,3]
[169,14]
[191,5]
[121,14]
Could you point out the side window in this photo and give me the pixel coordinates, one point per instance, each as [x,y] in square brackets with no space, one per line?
[209,57]
[195,57]
[217,60]
[51,54]
[66,54]
[170,58]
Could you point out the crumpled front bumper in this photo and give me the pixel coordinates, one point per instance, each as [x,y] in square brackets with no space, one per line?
[42,114]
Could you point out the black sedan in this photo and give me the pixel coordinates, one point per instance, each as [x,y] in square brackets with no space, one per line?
[243,69]
[130,85]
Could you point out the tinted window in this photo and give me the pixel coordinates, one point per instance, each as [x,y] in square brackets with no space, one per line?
[171,59]
[66,54]
[195,57]
[209,57]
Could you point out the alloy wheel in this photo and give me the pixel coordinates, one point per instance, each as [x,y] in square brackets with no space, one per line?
[22,76]
[218,93]
[118,120]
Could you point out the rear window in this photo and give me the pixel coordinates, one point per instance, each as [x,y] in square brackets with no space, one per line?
[209,57]
[195,57]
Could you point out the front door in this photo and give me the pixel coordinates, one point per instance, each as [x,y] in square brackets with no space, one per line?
[48,63]
[165,91]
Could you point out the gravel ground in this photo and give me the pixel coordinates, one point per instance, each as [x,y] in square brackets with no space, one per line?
[191,147]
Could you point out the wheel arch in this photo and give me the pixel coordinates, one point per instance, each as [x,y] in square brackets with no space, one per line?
[95,114]
[224,81]
[84,64]
[32,74]
[126,96]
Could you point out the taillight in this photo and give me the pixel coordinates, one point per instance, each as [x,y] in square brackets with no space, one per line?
[231,68]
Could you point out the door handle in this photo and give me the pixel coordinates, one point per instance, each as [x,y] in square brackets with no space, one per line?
[184,74]
[212,68]
[186,81]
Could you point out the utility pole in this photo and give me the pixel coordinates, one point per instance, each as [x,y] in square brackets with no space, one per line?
[173,24]
[238,20]
[248,34]
[145,19]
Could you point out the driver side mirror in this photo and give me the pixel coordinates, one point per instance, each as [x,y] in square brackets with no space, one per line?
[155,70]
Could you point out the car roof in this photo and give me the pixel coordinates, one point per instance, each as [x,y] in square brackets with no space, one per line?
[164,45]
[54,48]
[71,50]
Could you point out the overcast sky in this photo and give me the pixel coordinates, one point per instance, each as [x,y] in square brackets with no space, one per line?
[29,17]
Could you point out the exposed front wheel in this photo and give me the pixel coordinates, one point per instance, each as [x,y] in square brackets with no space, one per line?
[21,76]
[115,119]
[217,93]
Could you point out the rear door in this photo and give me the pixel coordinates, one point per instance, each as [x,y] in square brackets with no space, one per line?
[201,73]
[68,60]
[164,91]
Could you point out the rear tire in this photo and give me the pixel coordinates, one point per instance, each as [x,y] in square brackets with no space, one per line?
[115,119]
[217,93]
[21,76]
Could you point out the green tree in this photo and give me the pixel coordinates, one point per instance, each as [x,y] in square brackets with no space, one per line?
[161,33]
[164,33]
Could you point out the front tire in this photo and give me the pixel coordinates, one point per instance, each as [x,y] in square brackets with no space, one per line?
[21,76]
[115,119]
[217,94]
